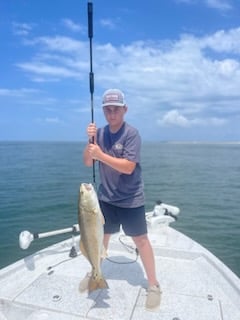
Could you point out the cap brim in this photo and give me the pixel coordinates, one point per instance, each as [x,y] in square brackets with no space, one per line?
[114,104]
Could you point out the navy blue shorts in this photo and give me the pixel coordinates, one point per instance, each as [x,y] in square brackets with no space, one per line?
[133,220]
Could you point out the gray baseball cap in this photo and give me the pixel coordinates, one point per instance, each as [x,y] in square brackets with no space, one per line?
[113,97]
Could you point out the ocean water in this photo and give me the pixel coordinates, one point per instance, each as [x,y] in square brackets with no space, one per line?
[39,184]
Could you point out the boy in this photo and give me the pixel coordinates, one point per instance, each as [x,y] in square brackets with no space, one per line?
[121,196]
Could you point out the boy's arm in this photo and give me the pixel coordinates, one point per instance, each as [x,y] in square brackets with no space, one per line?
[93,151]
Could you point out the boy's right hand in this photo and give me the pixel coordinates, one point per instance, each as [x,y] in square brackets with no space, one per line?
[92,132]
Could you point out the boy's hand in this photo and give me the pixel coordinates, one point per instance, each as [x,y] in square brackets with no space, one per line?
[92,132]
[94,151]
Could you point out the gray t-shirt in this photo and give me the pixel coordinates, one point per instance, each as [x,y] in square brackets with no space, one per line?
[119,189]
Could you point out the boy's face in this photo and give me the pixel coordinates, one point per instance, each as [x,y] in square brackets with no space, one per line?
[114,115]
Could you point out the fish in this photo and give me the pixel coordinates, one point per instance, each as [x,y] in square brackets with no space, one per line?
[91,222]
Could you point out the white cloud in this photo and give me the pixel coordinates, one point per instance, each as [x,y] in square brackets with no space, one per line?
[50,121]
[180,76]
[58,44]
[48,70]
[17,92]
[228,67]
[175,118]
[22,29]
[108,23]
[223,41]
[53,120]
[73,26]
[219,4]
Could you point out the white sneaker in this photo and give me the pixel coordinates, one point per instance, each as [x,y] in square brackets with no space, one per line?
[153,297]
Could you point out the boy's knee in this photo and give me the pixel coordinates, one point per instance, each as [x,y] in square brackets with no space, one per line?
[141,241]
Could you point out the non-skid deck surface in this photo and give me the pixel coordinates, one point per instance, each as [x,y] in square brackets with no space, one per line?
[57,291]
[189,288]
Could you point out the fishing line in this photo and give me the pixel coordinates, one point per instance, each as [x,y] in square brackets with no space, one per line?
[91,74]
[49,268]
[129,248]
[121,262]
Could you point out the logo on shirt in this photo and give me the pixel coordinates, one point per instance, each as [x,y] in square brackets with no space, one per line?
[118,146]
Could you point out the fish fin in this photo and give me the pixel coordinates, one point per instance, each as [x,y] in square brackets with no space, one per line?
[83,250]
[97,283]
[103,219]
[104,253]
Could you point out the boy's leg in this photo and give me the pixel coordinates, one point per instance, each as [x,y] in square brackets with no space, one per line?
[146,253]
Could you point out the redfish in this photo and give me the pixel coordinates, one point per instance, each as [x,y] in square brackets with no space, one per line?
[91,221]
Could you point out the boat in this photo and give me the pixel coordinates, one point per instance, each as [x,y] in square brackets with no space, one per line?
[195,284]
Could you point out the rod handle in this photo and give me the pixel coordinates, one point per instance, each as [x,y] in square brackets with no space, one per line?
[91,82]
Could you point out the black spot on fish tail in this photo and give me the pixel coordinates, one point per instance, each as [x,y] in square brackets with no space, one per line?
[97,283]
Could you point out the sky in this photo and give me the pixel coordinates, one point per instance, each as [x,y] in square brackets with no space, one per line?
[177,61]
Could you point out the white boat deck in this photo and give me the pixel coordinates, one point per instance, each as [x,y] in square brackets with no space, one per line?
[195,284]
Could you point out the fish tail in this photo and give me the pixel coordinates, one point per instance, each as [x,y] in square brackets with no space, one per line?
[97,283]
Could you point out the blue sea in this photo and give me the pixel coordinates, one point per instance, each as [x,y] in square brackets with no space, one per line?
[39,183]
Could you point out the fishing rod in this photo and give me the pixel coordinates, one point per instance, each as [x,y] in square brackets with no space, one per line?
[91,74]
